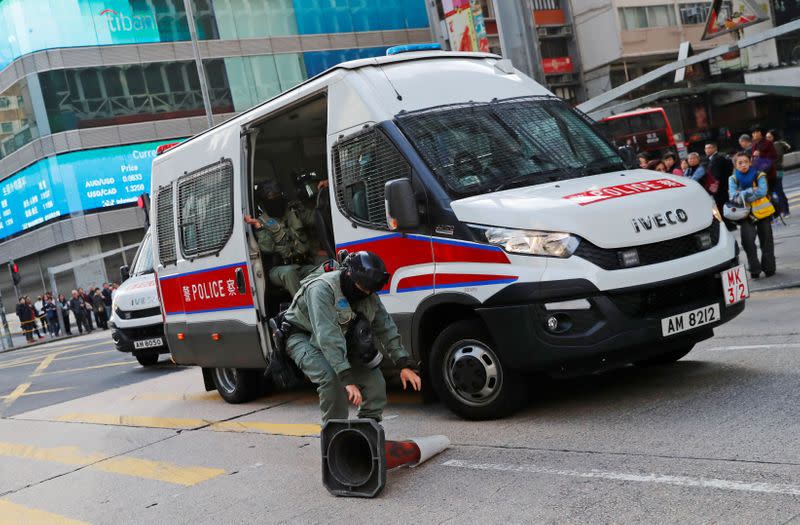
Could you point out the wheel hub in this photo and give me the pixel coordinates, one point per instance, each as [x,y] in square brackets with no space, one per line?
[469,374]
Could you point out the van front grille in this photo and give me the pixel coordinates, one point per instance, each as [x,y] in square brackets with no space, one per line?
[654,253]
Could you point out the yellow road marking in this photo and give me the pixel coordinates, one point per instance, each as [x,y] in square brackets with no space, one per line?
[43,365]
[86,355]
[30,358]
[136,467]
[278,429]
[48,391]
[13,396]
[159,396]
[11,513]
[95,367]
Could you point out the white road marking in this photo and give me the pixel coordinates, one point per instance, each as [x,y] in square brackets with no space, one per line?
[750,347]
[680,481]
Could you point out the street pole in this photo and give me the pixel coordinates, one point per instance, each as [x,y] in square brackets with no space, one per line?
[518,39]
[6,339]
[201,70]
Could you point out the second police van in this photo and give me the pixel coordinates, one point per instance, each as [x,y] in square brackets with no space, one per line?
[517,239]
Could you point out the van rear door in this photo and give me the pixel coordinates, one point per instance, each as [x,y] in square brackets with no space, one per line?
[207,293]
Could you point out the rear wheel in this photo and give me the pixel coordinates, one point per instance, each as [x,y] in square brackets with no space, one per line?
[470,377]
[670,356]
[147,359]
[237,385]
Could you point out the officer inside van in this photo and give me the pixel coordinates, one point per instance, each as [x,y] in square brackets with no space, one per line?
[281,231]
[335,319]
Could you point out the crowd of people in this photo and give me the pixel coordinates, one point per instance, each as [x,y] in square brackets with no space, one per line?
[89,308]
[751,177]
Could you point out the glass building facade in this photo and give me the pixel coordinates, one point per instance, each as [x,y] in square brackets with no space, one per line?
[119,91]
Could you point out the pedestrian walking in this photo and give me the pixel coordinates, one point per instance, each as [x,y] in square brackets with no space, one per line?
[671,164]
[78,307]
[781,148]
[88,307]
[100,310]
[26,319]
[719,168]
[51,313]
[749,185]
[35,317]
[64,305]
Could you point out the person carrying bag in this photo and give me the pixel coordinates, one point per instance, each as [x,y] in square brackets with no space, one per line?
[750,186]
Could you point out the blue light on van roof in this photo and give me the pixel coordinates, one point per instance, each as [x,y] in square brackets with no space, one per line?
[408,48]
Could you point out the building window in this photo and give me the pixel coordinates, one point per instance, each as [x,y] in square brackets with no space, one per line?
[695,13]
[364,163]
[205,209]
[17,121]
[644,17]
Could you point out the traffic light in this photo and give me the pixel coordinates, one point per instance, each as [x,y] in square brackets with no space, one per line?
[15,276]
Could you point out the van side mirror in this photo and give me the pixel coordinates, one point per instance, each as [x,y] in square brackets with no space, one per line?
[401,205]
[124,272]
[628,156]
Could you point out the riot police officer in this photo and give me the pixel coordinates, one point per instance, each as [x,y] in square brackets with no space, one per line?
[280,230]
[334,318]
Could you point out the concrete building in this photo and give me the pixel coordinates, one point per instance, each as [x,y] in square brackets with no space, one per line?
[90,88]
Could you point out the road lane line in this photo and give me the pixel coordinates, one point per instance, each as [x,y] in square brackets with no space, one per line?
[95,367]
[128,466]
[277,429]
[44,364]
[679,481]
[48,391]
[13,396]
[12,513]
[749,347]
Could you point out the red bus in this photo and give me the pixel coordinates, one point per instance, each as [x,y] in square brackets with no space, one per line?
[646,130]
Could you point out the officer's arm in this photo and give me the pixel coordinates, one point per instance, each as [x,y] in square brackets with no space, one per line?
[265,242]
[325,331]
[386,331]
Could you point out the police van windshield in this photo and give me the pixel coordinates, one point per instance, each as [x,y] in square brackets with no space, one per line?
[143,262]
[478,148]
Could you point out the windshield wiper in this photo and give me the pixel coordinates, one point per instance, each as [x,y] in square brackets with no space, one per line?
[548,176]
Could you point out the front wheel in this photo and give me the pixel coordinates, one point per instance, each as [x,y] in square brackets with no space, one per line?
[236,385]
[470,377]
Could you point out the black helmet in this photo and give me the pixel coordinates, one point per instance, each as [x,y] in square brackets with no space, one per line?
[367,270]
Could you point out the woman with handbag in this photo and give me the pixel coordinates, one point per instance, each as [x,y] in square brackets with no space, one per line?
[750,185]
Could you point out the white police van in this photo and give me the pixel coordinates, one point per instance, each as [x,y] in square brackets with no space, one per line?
[136,321]
[517,239]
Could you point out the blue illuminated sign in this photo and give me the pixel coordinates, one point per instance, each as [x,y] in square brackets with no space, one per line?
[73,183]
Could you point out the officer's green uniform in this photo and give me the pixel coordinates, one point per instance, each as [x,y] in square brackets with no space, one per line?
[287,238]
[321,315]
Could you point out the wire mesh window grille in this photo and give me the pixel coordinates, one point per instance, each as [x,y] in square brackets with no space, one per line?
[482,147]
[165,226]
[205,209]
[364,164]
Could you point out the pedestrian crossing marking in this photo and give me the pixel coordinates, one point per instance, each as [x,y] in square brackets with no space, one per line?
[277,429]
[12,513]
[125,465]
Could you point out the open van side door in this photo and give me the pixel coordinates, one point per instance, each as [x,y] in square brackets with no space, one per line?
[203,272]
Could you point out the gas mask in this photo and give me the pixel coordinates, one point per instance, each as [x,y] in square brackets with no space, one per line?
[361,344]
[274,207]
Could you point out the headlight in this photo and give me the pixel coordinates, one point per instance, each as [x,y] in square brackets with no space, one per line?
[529,242]
[715,212]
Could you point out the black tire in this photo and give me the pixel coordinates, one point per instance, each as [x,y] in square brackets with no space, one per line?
[147,359]
[480,387]
[237,385]
[670,356]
